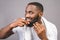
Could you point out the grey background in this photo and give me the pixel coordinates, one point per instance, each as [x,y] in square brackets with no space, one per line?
[13,9]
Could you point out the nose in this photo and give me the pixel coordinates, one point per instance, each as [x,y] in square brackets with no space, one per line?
[27,15]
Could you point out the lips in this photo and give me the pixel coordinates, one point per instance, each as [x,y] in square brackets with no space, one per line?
[29,20]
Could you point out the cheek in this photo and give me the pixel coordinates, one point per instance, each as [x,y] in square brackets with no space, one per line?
[33,15]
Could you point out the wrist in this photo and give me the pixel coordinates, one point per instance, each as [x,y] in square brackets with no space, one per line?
[11,26]
[44,38]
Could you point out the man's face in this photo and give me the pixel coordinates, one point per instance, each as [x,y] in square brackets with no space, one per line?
[31,13]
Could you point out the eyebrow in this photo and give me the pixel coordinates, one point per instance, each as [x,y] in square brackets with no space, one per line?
[28,11]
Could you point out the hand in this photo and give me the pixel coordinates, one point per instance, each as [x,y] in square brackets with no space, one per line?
[40,30]
[19,22]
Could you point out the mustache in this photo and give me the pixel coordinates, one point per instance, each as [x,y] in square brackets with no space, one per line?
[28,18]
[33,21]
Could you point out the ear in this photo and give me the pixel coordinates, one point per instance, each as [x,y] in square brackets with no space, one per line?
[40,14]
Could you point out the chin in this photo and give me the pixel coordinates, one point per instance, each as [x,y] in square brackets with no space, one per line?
[31,24]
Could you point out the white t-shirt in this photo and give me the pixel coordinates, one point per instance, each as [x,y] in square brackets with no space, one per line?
[28,33]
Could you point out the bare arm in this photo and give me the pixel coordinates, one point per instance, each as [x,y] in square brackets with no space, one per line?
[40,30]
[6,32]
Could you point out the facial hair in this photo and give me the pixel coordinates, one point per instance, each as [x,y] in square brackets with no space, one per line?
[33,21]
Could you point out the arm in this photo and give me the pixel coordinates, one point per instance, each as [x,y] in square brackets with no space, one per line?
[40,30]
[43,36]
[51,30]
[7,31]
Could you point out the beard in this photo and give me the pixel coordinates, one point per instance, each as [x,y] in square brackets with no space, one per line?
[33,21]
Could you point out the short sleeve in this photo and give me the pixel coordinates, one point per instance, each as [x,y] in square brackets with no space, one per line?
[18,29]
[14,30]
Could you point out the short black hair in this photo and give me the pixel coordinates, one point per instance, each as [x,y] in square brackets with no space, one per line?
[37,4]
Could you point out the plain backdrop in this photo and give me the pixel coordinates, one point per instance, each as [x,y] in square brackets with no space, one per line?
[13,9]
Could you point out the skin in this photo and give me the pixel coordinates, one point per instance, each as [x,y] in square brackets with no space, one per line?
[7,31]
[31,13]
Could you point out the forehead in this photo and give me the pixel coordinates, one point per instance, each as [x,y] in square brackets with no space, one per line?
[31,8]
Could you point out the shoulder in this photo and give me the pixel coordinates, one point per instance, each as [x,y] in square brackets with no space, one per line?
[50,26]
[51,30]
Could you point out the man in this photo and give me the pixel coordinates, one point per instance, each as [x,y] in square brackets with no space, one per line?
[33,27]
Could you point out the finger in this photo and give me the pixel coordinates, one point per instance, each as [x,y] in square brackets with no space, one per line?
[35,27]
[38,25]
[38,30]
[26,22]
[20,23]
[22,20]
